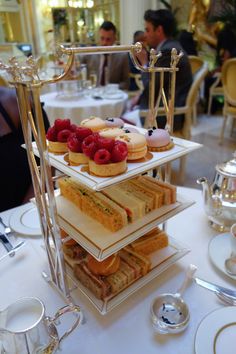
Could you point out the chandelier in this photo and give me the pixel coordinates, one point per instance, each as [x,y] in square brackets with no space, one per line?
[81,3]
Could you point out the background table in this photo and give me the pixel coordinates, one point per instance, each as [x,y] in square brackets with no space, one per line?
[80,107]
[126,329]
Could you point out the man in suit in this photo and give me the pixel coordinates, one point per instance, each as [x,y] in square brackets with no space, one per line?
[159,30]
[110,68]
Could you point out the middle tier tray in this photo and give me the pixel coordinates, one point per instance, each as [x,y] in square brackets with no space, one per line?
[152,160]
[99,241]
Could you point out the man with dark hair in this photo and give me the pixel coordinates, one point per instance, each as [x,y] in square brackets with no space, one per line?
[109,68]
[160,26]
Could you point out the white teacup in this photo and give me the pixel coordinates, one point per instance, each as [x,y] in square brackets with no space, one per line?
[112,88]
[25,328]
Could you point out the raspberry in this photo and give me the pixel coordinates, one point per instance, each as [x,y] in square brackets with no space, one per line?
[74,144]
[51,134]
[90,145]
[63,135]
[82,132]
[73,127]
[102,156]
[61,124]
[119,151]
[106,143]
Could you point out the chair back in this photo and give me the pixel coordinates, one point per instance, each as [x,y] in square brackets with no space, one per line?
[198,78]
[195,62]
[228,79]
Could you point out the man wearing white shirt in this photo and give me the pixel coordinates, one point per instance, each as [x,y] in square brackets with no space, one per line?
[109,68]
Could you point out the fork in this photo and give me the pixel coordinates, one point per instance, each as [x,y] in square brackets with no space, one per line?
[7,229]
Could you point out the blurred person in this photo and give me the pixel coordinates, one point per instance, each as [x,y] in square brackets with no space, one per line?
[225,49]
[139,36]
[159,28]
[16,184]
[110,68]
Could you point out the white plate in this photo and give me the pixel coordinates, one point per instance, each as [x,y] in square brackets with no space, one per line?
[113,96]
[25,221]
[219,250]
[216,332]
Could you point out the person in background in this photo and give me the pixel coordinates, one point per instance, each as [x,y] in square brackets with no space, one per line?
[139,36]
[110,68]
[16,184]
[226,49]
[159,29]
[187,42]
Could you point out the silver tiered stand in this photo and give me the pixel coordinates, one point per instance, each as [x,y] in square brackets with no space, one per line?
[26,79]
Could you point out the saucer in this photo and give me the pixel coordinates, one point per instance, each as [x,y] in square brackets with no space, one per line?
[25,221]
[216,332]
[219,250]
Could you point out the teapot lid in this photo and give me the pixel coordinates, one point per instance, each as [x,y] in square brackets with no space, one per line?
[228,168]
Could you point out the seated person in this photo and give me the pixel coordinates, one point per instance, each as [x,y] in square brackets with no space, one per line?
[15,173]
[110,68]
[139,36]
[159,29]
[226,49]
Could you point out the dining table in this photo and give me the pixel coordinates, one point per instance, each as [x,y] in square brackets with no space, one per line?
[127,328]
[81,104]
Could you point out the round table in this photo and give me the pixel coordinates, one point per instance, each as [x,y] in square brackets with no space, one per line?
[127,328]
[79,106]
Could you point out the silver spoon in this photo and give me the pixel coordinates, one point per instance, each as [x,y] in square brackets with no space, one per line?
[230,265]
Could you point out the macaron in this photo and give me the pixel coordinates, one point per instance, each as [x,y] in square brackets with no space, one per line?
[94,123]
[114,122]
[158,140]
[136,143]
[111,133]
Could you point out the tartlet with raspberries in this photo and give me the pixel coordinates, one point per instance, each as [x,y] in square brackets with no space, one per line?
[58,134]
[74,144]
[107,157]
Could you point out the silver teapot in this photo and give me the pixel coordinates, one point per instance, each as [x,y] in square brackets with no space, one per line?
[220,196]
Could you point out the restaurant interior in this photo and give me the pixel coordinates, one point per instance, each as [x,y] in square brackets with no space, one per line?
[133,241]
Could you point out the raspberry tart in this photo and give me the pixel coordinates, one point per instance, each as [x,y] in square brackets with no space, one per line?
[58,134]
[106,156]
[74,144]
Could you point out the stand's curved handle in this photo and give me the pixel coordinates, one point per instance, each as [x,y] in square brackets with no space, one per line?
[66,309]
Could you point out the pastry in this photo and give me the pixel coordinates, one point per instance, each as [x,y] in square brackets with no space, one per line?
[136,143]
[109,266]
[93,123]
[111,133]
[158,140]
[74,144]
[114,122]
[107,157]
[58,134]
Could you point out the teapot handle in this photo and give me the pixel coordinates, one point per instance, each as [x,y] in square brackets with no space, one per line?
[66,309]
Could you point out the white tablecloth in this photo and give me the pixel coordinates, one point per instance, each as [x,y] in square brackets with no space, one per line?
[80,107]
[126,329]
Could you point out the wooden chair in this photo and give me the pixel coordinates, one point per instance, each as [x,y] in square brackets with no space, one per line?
[216,89]
[228,79]
[196,63]
[187,110]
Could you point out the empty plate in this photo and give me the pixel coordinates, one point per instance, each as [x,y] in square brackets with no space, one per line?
[25,221]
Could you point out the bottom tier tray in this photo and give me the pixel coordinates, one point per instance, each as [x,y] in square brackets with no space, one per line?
[161,260]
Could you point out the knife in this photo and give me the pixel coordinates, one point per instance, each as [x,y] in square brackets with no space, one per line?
[8,245]
[213,287]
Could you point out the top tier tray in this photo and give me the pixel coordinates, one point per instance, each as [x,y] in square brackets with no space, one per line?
[154,159]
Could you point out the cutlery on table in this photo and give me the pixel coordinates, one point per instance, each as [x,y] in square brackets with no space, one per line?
[7,229]
[224,294]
